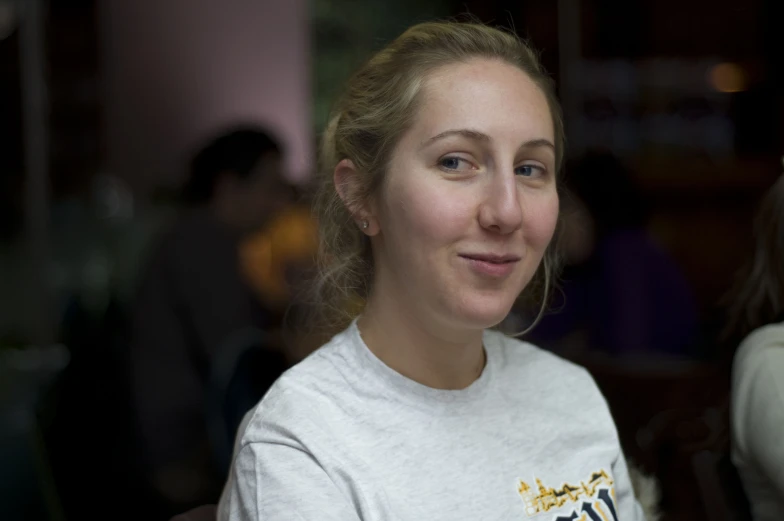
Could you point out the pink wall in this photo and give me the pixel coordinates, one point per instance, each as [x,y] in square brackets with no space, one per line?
[174,70]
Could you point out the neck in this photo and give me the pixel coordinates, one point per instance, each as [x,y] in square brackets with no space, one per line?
[405,343]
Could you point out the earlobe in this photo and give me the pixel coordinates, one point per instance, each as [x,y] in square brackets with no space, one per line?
[348,187]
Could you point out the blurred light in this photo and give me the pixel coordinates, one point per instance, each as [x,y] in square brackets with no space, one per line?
[727,77]
[7,19]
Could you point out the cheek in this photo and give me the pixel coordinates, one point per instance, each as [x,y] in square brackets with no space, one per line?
[421,211]
[541,220]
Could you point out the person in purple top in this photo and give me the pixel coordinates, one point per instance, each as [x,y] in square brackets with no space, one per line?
[621,291]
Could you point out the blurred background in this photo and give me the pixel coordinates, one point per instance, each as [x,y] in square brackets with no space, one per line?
[674,114]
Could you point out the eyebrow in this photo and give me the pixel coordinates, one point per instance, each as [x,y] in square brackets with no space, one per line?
[475,135]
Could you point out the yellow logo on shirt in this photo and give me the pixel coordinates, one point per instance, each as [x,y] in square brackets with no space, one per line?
[597,498]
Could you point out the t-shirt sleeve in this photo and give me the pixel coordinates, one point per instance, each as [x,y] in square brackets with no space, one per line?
[629,507]
[759,412]
[277,482]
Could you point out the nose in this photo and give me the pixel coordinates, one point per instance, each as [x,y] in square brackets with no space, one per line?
[501,211]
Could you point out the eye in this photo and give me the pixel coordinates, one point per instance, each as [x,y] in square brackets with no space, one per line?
[530,171]
[454,164]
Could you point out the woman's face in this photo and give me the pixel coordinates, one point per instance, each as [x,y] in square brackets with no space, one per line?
[469,203]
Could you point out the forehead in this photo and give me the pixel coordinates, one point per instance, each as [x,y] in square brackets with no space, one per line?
[485,95]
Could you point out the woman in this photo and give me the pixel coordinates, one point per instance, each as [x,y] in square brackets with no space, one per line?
[438,207]
[757,410]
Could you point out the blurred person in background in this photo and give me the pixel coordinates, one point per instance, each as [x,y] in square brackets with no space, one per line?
[622,294]
[436,207]
[194,302]
[756,321]
[278,263]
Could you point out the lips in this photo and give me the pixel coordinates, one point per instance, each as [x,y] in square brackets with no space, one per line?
[491,265]
[491,258]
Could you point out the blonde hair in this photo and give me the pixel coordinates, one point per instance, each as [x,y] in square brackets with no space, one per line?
[376,108]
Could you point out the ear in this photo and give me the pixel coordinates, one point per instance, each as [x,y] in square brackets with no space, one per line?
[347,183]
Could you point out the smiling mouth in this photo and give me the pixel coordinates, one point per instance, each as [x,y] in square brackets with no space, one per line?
[492,259]
[491,266]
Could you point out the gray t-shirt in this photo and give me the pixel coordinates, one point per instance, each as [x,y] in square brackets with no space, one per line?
[343,437]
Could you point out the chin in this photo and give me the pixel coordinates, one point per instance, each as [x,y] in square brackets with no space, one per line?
[482,313]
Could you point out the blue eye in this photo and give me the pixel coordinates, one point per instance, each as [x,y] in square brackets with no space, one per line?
[529,171]
[453,163]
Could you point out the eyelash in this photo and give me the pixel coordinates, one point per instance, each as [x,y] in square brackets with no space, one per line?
[451,158]
[542,170]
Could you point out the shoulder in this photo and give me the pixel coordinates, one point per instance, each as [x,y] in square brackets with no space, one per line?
[561,392]
[303,396]
[770,335]
[527,364]
[763,345]
[757,376]
[758,389]
[518,353]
